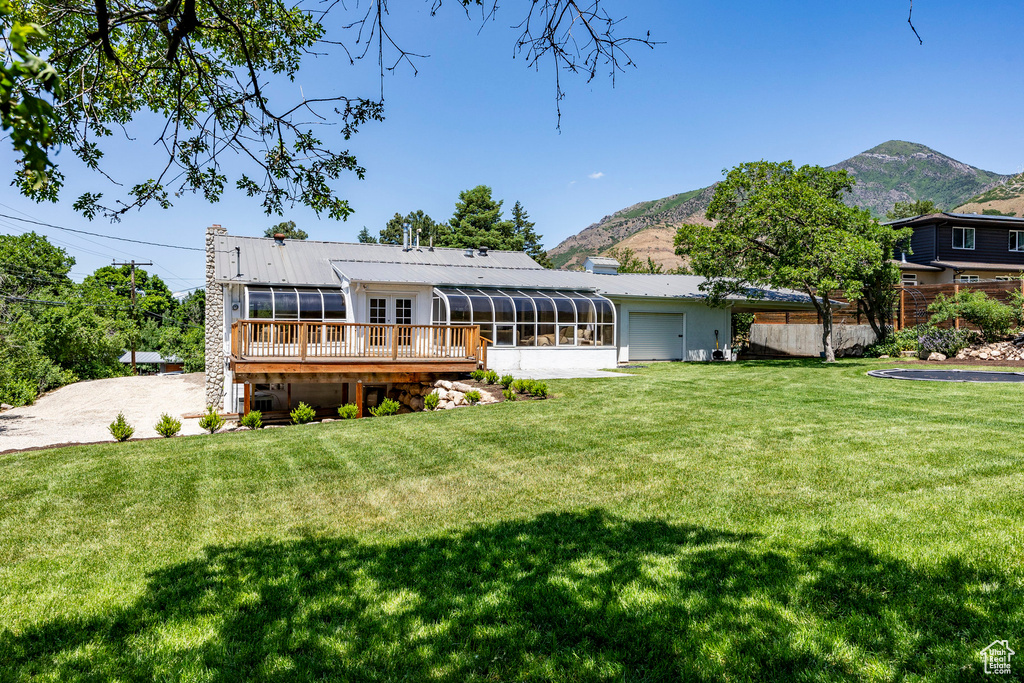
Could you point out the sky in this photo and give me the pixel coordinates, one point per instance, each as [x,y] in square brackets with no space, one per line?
[815,82]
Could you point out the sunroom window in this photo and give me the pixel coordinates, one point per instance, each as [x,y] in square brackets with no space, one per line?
[514,317]
[295,303]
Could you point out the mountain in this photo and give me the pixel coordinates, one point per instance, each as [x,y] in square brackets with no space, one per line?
[895,171]
[1001,200]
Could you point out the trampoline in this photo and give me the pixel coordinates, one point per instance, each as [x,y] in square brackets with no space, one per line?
[949,375]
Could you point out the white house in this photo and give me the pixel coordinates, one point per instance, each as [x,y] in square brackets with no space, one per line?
[316,321]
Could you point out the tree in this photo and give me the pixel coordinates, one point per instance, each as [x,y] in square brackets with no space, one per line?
[417,220]
[880,294]
[784,228]
[210,69]
[365,237]
[921,207]
[477,223]
[522,227]
[629,262]
[288,229]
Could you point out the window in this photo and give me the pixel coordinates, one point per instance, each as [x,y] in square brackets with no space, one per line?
[963,238]
[967,278]
[1017,240]
[1004,278]
[909,278]
[529,317]
[294,303]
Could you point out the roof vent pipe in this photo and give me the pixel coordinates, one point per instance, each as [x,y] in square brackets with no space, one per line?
[418,231]
[469,252]
[483,251]
[279,239]
[406,239]
[431,243]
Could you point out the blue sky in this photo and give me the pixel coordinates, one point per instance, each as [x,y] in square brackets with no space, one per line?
[815,82]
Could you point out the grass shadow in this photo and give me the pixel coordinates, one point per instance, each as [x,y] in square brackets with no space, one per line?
[570,596]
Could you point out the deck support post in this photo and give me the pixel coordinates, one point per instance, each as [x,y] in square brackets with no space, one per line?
[359,397]
[248,398]
[289,386]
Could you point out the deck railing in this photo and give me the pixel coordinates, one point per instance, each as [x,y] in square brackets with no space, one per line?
[302,341]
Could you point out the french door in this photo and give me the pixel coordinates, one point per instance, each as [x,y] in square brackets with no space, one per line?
[390,310]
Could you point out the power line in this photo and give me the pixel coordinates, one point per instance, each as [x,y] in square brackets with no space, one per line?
[96,234]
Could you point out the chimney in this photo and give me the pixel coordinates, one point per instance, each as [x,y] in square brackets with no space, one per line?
[279,239]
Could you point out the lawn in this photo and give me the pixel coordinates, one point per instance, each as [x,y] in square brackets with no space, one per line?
[777,520]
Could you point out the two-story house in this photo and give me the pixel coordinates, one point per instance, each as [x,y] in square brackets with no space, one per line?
[961,247]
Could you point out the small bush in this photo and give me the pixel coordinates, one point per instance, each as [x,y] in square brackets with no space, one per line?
[303,414]
[349,411]
[539,389]
[993,318]
[167,426]
[506,381]
[120,429]
[490,377]
[253,419]
[430,401]
[896,342]
[508,394]
[385,408]
[19,392]
[522,386]
[473,397]
[948,342]
[211,422]
[478,375]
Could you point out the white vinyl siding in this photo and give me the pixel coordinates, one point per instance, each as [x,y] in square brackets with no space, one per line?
[655,336]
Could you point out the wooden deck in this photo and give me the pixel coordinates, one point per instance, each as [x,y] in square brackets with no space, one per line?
[273,351]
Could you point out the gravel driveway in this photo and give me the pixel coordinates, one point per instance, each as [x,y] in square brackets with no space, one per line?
[80,412]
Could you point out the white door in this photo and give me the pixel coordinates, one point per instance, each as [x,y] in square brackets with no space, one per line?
[390,310]
[656,336]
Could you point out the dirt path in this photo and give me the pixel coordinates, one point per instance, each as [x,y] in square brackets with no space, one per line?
[80,412]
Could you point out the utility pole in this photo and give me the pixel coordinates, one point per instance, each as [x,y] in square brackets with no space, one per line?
[132,263]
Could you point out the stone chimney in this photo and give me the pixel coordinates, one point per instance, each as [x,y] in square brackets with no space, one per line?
[214,322]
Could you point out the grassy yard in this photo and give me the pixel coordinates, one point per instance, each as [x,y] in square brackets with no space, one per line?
[748,521]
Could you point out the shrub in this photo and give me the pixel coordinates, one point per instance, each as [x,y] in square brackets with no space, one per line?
[385,408]
[947,342]
[478,375]
[522,385]
[506,381]
[167,426]
[348,411]
[993,318]
[508,394]
[211,422]
[18,392]
[490,377]
[253,419]
[430,401]
[539,389]
[303,414]
[473,397]
[897,342]
[120,429]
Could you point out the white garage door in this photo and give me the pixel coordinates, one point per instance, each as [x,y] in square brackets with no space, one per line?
[655,336]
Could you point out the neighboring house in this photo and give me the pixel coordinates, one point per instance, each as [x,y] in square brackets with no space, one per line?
[324,322]
[168,364]
[962,247]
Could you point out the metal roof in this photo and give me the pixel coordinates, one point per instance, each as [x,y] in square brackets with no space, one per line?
[261,260]
[972,265]
[949,217]
[148,357]
[603,260]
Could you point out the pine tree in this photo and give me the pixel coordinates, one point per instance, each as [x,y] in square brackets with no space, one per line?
[365,237]
[522,227]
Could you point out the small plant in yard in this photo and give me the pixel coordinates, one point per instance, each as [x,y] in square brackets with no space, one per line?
[167,426]
[508,394]
[478,375]
[522,386]
[385,408]
[349,411]
[430,401]
[490,377]
[948,342]
[303,414]
[211,422]
[120,429]
[473,397]
[506,381]
[253,419]
[539,389]
[896,343]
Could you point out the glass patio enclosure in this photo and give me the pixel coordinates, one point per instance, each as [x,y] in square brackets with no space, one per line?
[295,303]
[520,317]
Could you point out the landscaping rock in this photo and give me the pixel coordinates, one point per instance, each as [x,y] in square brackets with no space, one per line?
[444,384]
[935,356]
[449,405]
[330,419]
[6,406]
[884,355]
[459,386]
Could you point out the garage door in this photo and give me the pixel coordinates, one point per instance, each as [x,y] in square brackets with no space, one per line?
[655,336]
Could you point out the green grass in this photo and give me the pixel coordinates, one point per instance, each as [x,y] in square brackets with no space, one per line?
[747,521]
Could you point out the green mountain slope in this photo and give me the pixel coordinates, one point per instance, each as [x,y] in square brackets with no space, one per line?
[895,171]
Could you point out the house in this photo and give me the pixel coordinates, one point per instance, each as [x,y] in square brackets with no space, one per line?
[961,247]
[329,323]
[153,358]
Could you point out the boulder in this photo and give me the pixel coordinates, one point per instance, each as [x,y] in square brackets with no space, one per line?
[460,386]
[449,405]
[983,355]
[444,384]
[416,403]
[884,355]
[935,356]
[6,406]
